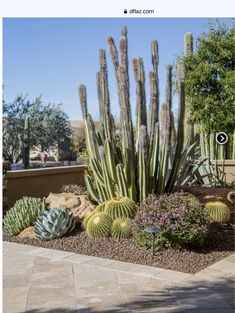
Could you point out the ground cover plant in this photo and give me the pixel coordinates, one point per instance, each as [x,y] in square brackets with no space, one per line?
[181,219]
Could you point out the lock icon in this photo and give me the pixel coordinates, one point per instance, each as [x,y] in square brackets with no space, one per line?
[125,11]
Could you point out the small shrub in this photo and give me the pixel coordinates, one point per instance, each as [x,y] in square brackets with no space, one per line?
[218,211]
[182,221]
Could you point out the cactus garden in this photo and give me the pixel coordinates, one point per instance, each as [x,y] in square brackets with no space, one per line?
[144,169]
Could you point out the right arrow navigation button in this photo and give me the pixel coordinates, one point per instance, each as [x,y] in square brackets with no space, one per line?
[221,138]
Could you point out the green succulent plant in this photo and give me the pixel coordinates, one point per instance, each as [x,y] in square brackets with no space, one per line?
[149,159]
[99,225]
[101,207]
[121,228]
[23,214]
[54,223]
[86,219]
[218,211]
[120,207]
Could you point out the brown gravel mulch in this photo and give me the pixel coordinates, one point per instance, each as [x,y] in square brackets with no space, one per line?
[219,244]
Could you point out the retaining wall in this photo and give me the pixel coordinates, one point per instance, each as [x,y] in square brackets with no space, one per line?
[40,182]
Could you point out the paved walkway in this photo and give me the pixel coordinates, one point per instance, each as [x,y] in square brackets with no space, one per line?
[40,280]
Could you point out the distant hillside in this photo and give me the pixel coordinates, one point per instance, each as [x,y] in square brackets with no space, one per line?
[76,125]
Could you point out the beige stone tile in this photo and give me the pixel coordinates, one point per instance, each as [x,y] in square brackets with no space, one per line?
[224,266]
[211,273]
[43,264]
[76,258]
[98,262]
[50,296]
[14,308]
[16,280]
[50,253]
[147,271]
[230,259]
[15,299]
[171,277]
[94,281]
[19,263]
[12,246]
[106,302]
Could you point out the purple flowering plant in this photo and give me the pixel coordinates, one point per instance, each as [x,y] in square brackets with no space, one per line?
[180,217]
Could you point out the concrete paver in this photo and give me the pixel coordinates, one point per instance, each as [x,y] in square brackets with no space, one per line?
[37,280]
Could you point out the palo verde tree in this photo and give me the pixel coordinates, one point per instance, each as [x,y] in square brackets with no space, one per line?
[49,127]
[209,85]
[210,80]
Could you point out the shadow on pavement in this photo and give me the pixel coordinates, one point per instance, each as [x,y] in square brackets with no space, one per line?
[200,295]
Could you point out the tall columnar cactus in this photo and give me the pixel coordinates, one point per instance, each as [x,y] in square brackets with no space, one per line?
[26,143]
[189,127]
[151,153]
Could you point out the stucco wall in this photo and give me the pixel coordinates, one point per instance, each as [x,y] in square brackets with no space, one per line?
[40,182]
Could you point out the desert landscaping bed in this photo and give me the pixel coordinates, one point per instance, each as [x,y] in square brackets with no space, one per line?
[219,244]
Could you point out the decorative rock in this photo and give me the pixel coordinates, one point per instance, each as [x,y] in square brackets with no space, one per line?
[231,196]
[63,200]
[78,205]
[210,197]
[27,233]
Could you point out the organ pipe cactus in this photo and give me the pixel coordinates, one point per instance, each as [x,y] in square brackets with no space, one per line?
[189,127]
[151,153]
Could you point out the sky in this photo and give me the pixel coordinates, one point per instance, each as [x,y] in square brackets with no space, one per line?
[51,57]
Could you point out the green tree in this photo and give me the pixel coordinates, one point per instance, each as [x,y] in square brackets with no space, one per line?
[210,80]
[49,127]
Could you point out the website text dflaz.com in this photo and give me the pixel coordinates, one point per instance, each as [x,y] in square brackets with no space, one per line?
[137,11]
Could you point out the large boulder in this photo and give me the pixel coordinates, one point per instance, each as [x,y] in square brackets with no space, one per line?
[78,205]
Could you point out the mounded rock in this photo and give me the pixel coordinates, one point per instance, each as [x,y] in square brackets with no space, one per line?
[78,205]
[63,200]
[212,197]
[27,233]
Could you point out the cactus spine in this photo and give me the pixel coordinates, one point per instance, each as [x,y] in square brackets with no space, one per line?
[150,157]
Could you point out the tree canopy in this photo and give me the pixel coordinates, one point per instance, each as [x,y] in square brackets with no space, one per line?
[210,79]
[49,127]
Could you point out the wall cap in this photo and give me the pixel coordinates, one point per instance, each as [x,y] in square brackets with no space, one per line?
[45,171]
